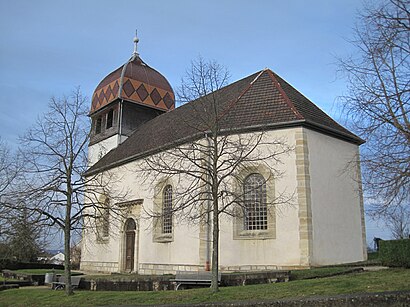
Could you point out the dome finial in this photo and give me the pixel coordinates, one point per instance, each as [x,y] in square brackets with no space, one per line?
[136,40]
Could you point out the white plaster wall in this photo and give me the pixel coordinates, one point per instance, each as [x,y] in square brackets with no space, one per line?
[184,249]
[335,217]
[336,214]
[100,149]
[101,252]
[107,250]
[284,249]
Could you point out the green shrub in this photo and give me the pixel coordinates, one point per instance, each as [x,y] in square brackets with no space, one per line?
[395,253]
[15,265]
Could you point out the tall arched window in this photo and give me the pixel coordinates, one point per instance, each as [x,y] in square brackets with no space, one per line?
[103,219]
[255,210]
[167,209]
[106,218]
[106,222]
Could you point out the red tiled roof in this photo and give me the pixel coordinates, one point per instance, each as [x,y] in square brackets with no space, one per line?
[258,102]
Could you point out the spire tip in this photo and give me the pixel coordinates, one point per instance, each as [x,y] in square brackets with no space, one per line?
[136,40]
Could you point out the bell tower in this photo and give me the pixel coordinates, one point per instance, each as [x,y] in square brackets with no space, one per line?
[129,96]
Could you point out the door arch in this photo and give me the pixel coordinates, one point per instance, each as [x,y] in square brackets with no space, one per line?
[130,228]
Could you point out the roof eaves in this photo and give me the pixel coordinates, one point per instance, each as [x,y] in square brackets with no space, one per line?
[352,138]
[134,157]
[273,126]
[103,108]
[191,138]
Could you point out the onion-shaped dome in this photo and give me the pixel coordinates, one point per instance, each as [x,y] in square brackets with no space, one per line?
[136,82]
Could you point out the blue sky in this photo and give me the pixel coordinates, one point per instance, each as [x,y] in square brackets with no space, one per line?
[47,48]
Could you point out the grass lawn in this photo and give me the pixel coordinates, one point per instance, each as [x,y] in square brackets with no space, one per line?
[8,279]
[385,280]
[318,272]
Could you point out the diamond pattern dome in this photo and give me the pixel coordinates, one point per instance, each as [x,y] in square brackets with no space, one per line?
[136,82]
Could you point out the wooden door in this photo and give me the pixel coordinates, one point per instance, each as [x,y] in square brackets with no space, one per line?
[129,251]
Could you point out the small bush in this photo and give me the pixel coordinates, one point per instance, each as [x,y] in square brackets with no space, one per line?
[395,253]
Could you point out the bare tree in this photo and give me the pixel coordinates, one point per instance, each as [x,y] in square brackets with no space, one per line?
[10,170]
[378,101]
[25,238]
[54,191]
[398,221]
[5,180]
[206,164]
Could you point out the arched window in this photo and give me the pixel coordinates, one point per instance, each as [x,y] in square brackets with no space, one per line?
[103,219]
[255,207]
[130,225]
[167,209]
[106,222]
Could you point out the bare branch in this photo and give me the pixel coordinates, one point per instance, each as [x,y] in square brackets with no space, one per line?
[207,169]
[378,101]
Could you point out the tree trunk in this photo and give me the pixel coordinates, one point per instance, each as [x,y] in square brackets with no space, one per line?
[215,212]
[215,246]
[67,239]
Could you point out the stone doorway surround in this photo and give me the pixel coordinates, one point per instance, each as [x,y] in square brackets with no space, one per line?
[129,234]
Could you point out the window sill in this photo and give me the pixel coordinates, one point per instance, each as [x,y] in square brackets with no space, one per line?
[164,238]
[254,235]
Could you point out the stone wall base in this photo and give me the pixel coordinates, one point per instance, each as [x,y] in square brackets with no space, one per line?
[258,268]
[103,267]
[161,269]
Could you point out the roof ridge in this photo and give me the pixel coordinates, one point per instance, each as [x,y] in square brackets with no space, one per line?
[260,73]
[121,82]
[233,102]
[284,95]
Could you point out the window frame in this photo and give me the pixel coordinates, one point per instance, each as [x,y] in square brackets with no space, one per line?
[103,221]
[159,236]
[240,232]
[255,203]
[167,198]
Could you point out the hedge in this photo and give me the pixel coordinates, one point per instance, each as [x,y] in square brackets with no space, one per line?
[14,265]
[395,253]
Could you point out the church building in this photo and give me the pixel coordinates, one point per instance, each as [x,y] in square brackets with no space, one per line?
[134,116]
